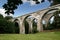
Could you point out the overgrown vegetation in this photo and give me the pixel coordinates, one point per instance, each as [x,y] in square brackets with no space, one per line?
[6,26]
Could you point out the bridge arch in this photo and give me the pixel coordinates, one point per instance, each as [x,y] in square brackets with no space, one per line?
[53,15]
[26,24]
[41,14]
[49,11]
[28,19]
[49,15]
[17,28]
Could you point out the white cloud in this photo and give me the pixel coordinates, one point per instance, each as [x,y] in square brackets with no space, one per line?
[2,12]
[30,1]
[24,1]
[40,1]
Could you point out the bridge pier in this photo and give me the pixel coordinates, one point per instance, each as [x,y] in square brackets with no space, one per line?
[22,27]
[30,25]
[39,26]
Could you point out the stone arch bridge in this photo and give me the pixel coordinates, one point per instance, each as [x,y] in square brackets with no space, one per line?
[40,15]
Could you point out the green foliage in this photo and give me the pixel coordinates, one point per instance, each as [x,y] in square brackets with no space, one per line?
[2,25]
[56,22]
[56,2]
[49,27]
[34,27]
[8,17]
[1,16]
[2,22]
[6,26]
[11,5]
[10,27]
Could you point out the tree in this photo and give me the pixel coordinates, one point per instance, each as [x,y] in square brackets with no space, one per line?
[1,16]
[6,26]
[57,19]
[11,5]
[8,17]
[55,2]
[34,26]
[56,22]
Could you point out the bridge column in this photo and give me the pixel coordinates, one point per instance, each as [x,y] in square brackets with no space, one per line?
[22,28]
[39,26]
[30,25]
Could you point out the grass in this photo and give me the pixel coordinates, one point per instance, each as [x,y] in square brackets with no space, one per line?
[37,36]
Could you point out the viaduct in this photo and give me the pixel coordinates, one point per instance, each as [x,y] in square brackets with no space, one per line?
[39,16]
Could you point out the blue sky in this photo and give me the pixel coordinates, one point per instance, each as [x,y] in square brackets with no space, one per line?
[27,8]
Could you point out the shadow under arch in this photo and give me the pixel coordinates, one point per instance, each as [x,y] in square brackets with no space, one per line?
[34,23]
[48,12]
[26,24]
[49,23]
[17,29]
[57,12]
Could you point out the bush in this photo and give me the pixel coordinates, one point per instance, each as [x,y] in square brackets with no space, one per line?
[10,27]
[8,17]
[1,16]
[6,26]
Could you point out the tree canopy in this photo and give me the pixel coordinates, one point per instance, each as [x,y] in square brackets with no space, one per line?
[1,16]
[11,5]
[8,17]
[56,2]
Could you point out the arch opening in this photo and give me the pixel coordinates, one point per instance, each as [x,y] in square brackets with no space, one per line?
[34,25]
[50,11]
[26,27]
[17,29]
[26,24]
[53,21]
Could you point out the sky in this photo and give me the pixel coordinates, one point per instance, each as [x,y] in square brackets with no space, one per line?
[26,7]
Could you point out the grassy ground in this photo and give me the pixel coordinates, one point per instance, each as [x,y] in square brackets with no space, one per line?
[37,36]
